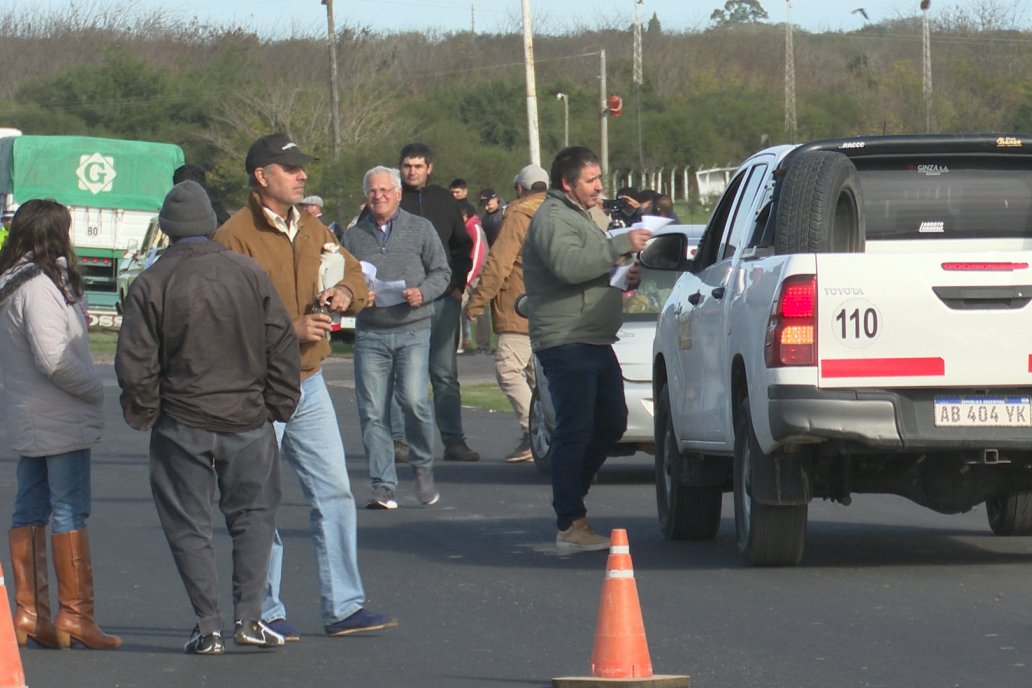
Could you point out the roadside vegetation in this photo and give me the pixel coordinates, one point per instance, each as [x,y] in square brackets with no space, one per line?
[709,98]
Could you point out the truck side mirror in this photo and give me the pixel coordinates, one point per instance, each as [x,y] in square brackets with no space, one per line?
[666,252]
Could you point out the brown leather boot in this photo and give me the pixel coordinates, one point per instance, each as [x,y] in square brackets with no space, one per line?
[75,593]
[32,594]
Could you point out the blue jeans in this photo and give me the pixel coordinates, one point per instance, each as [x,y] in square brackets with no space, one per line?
[393,365]
[53,486]
[310,442]
[444,374]
[586,385]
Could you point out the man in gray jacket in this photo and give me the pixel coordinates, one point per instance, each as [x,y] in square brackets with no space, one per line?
[574,317]
[392,334]
[207,358]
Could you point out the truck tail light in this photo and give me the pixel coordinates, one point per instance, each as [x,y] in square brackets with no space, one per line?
[792,329]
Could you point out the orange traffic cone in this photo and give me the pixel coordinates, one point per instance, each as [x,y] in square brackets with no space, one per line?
[621,652]
[11,673]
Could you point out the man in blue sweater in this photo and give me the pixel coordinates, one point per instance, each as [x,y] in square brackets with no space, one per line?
[392,334]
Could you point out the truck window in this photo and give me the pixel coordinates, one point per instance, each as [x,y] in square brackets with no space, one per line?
[743,217]
[712,238]
[946,198]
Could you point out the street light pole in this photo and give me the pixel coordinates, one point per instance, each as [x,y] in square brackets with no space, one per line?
[331,37]
[566,117]
[533,134]
[603,116]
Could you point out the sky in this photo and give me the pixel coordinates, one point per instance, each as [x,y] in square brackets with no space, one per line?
[278,18]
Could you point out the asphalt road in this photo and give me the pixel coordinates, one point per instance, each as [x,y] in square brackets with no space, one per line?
[888,595]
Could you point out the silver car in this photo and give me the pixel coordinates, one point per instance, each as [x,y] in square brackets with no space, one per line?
[634,352]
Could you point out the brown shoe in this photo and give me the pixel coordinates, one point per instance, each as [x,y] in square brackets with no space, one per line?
[74,571]
[32,593]
[580,537]
[460,451]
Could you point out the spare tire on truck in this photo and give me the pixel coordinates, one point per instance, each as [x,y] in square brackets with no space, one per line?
[819,209]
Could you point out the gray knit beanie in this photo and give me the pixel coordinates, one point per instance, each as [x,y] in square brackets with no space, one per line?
[187,212]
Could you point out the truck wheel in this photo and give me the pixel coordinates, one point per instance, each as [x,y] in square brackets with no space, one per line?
[685,512]
[819,209]
[1010,514]
[768,535]
[540,434]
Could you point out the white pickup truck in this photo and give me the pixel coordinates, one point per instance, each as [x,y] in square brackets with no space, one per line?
[856,320]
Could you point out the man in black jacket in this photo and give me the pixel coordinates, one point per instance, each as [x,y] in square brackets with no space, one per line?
[207,358]
[436,204]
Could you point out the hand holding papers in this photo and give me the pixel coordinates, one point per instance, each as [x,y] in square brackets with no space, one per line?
[387,293]
[619,276]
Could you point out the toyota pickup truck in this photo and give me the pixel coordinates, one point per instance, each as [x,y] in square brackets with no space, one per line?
[856,320]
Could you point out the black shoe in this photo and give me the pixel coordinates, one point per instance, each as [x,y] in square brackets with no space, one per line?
[256,634]
[210,644]
[460,451]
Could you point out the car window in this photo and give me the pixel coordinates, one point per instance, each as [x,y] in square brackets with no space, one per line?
[946,198]
[645,302]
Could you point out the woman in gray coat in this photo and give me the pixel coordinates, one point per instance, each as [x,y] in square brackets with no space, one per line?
[53,409]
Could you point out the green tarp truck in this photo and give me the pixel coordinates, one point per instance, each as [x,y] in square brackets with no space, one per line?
[112,187]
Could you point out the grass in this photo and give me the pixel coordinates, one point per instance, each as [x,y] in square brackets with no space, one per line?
[482,396]
[103,341]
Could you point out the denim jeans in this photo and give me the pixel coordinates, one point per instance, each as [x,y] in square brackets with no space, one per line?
[310,442]
[53,486]
[444,374]
[586,385]
[393,365]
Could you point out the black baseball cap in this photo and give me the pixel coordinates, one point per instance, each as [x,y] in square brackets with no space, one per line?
[487,195]
[275,148]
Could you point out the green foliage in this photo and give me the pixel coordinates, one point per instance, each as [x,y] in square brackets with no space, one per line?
[739,12]
[123,96]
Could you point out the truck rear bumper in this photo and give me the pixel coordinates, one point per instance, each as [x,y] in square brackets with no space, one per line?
[892,419]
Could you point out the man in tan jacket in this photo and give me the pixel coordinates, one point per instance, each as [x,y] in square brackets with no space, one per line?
[501,281]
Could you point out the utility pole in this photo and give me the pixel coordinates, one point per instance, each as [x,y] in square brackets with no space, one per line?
[473,19]
[927,59]
[532,111]
[331,37]
[566,117]
[638,79]
[603,117]
[790,111]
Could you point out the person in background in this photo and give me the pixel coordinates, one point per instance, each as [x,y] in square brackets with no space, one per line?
[478,254]
[392,336]
[5,228]
[459,189]
[663,206]
[53,403]
[501,282]
[574,317]
[494,211]
[420,197]
[313,205]
[195,173]
[271,230]
[208,382]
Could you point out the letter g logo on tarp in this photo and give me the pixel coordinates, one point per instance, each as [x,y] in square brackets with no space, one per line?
[96,173]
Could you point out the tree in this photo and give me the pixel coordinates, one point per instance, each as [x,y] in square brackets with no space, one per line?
[739,12]
[654,27]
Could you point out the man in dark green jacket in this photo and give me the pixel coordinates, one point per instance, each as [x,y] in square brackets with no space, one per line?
[574,317]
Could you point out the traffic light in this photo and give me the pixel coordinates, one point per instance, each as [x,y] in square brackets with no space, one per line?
[615,105]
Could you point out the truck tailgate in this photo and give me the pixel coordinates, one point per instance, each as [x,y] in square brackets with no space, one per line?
[924,320]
